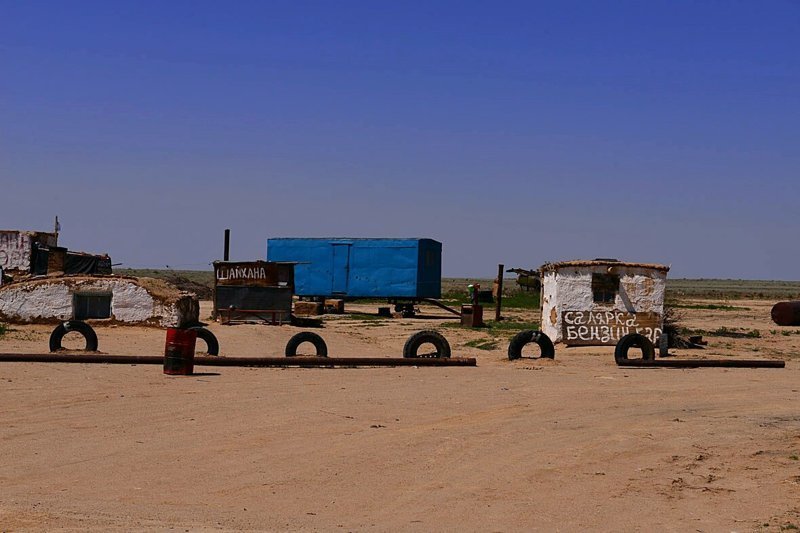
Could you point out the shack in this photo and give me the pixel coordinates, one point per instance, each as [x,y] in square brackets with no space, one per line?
[109,299]
[362,268]
[253,290]
[597,302]
[55,260]
[18,249]
[41,282]
[36,253]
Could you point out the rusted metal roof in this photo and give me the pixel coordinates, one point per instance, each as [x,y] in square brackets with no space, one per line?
[550,267]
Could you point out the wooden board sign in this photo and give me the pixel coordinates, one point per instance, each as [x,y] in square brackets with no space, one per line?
[606,328]
[254,274]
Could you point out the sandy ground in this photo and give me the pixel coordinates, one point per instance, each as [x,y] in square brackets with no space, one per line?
[530,445]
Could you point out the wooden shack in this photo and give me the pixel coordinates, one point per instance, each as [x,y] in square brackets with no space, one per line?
[597,302]
[253,291]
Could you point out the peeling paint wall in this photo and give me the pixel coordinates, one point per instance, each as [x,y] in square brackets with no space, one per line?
[570,289]
[52,300]
[16,248]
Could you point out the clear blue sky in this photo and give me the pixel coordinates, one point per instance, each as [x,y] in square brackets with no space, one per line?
[514,132]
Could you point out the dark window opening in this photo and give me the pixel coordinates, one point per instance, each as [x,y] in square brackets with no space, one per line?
[92,305]
[605,287]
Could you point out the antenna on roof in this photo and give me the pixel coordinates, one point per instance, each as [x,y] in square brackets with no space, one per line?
[56,228]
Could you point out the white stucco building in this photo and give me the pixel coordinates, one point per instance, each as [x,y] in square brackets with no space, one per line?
[597,302]
[111,299]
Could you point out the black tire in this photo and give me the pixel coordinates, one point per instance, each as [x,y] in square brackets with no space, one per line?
[634,340]
[412,345]
[73,325]
[548,351]
[306,336]
[212,344]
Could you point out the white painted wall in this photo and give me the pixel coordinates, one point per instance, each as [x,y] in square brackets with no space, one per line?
[570,289]
[16,246]
[15,250]
[51,299]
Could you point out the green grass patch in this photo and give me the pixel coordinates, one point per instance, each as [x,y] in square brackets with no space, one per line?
[482,344]
[521,300]
[515,300]
[3,329]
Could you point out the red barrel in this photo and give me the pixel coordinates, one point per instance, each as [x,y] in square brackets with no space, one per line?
[786,313]
[179,351]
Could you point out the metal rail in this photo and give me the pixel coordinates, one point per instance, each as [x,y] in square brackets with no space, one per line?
[437,303]
[239,361]
[703,363]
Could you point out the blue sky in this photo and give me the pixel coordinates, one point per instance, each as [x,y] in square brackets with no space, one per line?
[513,132]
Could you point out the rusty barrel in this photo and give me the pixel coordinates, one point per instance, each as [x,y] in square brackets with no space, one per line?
[179,351]
[786,313]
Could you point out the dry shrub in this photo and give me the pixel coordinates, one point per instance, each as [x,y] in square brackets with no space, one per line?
[673,329]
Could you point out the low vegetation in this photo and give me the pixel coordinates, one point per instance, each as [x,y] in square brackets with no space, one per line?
[725,289]
[3,329]
[511,299]
[734,333]
[514,297]
[711,307]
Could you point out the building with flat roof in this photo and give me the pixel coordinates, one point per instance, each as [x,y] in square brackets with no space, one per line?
[599,301]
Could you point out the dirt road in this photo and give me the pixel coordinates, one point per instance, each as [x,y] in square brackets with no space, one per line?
[565,445]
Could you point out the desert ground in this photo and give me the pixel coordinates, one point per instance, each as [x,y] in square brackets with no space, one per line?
[570,444]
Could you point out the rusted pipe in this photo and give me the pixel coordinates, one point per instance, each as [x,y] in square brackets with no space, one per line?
[226,251]
[786,313]
[703,363]
[238,361]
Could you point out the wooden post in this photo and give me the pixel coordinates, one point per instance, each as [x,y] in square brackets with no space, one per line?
[499,303]
[227,250]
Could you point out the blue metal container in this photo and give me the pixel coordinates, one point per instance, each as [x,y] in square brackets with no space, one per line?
[362,268]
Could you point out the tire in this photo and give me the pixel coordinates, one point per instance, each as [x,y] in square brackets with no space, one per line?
[212,344]
[412,345]
[73,325]
[548,351]
[306,336]
[634,340]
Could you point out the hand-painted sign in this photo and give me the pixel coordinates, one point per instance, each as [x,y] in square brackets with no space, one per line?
[607,327]
[254,274]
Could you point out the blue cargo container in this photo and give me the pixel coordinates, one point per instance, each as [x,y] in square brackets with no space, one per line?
[362,268]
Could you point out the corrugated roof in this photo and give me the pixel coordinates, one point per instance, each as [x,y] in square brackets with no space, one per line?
[549,267]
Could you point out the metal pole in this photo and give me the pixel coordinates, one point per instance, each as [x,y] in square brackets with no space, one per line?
[227,253]
[704,363]
[301,361]
[499,303]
